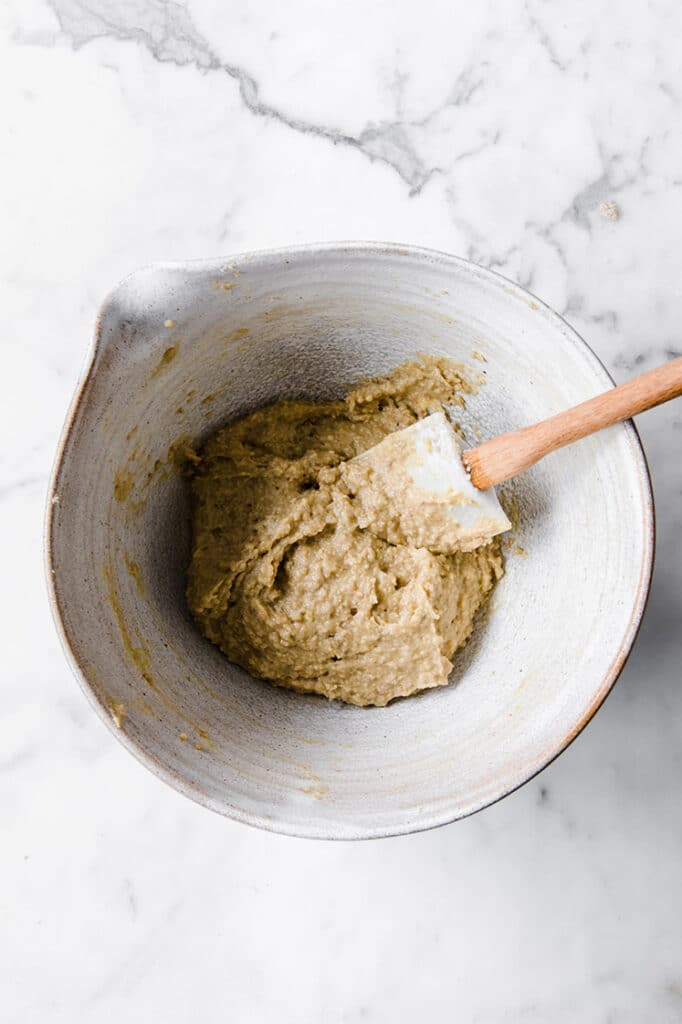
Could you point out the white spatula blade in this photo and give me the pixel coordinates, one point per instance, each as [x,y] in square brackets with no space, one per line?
[413,486]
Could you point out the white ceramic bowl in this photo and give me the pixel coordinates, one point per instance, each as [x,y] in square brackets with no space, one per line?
[305,322]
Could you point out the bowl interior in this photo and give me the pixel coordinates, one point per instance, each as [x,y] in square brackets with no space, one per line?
[181,350]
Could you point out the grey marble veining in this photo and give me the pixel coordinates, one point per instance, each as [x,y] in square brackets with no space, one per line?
[144,130]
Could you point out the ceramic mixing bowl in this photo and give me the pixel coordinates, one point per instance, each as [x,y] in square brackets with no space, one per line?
[182,348]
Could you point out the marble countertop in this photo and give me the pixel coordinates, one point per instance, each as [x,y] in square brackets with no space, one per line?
[542,139]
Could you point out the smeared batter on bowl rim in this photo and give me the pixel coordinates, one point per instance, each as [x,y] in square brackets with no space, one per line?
[290,579]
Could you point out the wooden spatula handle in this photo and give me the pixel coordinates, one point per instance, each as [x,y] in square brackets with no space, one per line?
[509,454]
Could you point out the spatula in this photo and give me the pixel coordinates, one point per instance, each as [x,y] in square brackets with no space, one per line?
[417,484]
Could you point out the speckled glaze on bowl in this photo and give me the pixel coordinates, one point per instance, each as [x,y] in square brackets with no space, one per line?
[182,348]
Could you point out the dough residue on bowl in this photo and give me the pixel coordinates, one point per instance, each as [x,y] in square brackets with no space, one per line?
[287,576]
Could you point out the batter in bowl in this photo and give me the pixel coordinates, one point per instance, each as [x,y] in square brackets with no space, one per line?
[295,582]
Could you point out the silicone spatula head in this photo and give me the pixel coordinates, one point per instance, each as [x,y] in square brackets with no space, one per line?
[413,487]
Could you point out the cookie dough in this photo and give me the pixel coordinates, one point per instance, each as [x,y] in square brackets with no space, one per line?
[292,579]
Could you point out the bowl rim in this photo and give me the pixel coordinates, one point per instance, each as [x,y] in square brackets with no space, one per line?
[178,781]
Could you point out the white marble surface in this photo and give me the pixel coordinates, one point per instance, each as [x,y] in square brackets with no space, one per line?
[142,130]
